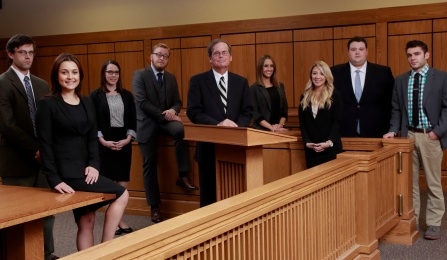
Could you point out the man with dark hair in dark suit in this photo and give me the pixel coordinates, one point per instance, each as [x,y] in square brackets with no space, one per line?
[19,151]
[366,90]
[216,97]
[158,103]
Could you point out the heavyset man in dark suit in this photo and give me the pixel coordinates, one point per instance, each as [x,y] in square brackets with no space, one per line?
[370,116]
[420,112]
[158,103]
[19,151]
[216,97]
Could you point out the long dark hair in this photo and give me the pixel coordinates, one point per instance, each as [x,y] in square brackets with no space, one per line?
[56,88]
[259,69]
[103,82]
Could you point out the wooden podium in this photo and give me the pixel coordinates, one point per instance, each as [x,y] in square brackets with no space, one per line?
[239,159]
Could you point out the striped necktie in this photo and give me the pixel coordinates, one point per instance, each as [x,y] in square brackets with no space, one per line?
[31,102]
[223,92]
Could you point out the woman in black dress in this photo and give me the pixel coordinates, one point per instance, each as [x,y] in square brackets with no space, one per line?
[68,145]
[116,118]
[320,113]
[270,109]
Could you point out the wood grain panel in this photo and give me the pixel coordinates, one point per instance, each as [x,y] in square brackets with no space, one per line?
[413,27]
[239,39]
[244,62]
[439,54]
[440,25]
[194,61]
[56,50]
[305,54]
[129,63]
[273,37]
[83,59]
[346,32]
[4,65]
[382,43]
[129,46]
[101,48]
[283,55]
[42,67]
[95,62]
[175,67]
[341,50]
[397,58]
[195,42]
[313,34]
[172,43]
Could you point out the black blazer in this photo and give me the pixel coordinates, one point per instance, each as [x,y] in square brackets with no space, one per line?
[148,100]
[99,98]
[65,152]
[326,126]
[262,106]
[18,145]
[205,106]
[374,108]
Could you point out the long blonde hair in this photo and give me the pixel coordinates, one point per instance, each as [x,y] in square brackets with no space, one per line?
[310,95]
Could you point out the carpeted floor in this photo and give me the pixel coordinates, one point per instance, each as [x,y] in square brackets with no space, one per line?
[65,237]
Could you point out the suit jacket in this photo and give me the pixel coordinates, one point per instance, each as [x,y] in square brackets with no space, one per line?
[18,145]
[374,108]
[434,104]
[149,100]
[326,124]
[99,98]
[206,107]
[262,105]
[64,149]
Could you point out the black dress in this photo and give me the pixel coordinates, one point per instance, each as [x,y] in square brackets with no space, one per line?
[116,119]
[325,126]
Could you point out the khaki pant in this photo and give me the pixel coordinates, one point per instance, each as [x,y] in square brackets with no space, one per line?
[428,154]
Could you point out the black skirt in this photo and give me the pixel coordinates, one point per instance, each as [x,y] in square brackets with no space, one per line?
[103,185]
[115,165]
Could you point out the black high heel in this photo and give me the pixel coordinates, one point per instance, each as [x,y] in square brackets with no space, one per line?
[124,230]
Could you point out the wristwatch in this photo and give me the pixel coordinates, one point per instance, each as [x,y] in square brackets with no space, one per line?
[331,144]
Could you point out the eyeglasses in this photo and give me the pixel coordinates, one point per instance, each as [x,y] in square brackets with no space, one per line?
[160,55]
[111,72]
[23,53]
[218,53]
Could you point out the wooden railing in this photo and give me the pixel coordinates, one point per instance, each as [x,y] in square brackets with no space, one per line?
[337,210]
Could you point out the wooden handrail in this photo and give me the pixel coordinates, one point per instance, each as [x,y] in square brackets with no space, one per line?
[335,210]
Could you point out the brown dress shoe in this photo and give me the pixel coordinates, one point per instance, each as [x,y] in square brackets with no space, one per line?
[155,215]
[185,183]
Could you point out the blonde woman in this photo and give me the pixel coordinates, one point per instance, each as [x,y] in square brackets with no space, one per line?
[320,113]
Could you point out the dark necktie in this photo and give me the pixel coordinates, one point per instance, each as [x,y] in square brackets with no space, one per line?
[160,79]
[415,118]
[31,102]
[223,92]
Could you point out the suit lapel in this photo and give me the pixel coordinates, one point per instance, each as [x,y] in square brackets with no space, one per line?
[17,83]
[150,77]
[63,107]
[347,78]
[428,84]
[369,77]
[103,103]
[266,95]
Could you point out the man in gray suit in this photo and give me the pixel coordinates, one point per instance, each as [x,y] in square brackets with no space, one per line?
[420,112]
[158,103]
[19,151]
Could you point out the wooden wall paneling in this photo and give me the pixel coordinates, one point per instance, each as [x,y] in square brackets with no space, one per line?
[4,63]
[411,27]
[440,25]
[439,53]
[341,50]
[173,43]
[136,170]
[239,39]
[129,63]
[363,30]
[194,61]
[56,50]
[101,48]
[95,62]
[274,37]
[283,55]
[313,34]
[381,43]
[397,58]
[304,56]
[195,42]
[129,46]
[243,62]
[42,67]
[147,52]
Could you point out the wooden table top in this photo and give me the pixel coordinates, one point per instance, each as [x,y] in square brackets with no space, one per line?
[22,204]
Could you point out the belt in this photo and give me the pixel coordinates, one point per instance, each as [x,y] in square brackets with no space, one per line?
[419,130]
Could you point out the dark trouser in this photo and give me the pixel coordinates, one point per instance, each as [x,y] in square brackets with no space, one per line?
[206,159]
[37,181]
[149,155]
